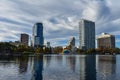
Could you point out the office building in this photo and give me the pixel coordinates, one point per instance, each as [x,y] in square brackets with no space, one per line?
[86,34]
[48,45]
[72,42]
[24,39]
[106,40]
[37,39]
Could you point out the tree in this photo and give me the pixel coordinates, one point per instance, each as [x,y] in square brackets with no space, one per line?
[39,50]
[58,50]
[91,51]
[80,51]
[47,50]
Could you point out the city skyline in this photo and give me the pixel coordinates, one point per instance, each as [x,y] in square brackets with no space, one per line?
[19,16]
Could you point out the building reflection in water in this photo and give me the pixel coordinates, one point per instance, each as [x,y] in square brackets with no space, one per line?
[61,67]
[106,67]
[23,64]
[38,67]
[71,61]
[87,64]
[6,60]
[90,67]
[47,60]
[81,63]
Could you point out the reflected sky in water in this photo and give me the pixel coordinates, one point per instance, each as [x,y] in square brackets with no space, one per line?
[60,67]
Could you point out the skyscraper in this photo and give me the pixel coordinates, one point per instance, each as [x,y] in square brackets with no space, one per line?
[38,39]
[86,34]
[106,41]
[72,42]
[24,39]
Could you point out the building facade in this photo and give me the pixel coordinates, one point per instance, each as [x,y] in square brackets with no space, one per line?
[48,45]
[106,40]
[24,39]
[86,34]
[72,42]
[38,39]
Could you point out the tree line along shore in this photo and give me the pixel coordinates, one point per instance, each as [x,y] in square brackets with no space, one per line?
[8,49]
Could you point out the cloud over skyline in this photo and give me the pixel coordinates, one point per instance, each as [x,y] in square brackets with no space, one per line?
[60,18]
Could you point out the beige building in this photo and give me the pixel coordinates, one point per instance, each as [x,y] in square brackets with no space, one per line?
[106,40]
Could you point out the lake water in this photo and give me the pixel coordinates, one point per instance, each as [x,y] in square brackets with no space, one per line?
[60,67]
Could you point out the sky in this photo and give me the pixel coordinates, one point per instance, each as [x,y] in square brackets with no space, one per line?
[60,18]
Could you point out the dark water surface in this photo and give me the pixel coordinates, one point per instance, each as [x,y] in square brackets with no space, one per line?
[60,67]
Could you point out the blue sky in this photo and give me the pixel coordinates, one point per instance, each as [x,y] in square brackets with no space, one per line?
[60,18]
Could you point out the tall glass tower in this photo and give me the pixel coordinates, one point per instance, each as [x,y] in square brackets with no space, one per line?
[38,39]
[87,34]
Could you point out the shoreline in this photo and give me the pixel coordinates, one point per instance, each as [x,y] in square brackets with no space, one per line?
[17,55]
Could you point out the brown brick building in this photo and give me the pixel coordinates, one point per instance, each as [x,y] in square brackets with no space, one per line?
[24,39]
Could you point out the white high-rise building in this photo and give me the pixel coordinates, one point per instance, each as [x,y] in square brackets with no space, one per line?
[86,34]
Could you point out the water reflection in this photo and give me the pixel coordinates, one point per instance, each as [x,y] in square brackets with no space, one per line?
[71,61]
[107,67]
[23,64]
[81,67]
[38,67]
[90,67]
[60,67]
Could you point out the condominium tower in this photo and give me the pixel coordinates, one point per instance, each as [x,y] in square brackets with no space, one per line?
[86,34]
[106,40]
[38,39]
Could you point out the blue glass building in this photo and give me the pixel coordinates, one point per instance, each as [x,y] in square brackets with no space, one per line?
[38,39]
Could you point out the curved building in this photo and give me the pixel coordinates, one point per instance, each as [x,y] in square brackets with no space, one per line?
[38,39]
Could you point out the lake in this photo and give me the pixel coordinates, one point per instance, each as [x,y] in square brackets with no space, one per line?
[60,67]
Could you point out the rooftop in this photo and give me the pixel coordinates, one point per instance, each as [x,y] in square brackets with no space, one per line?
[104,35]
